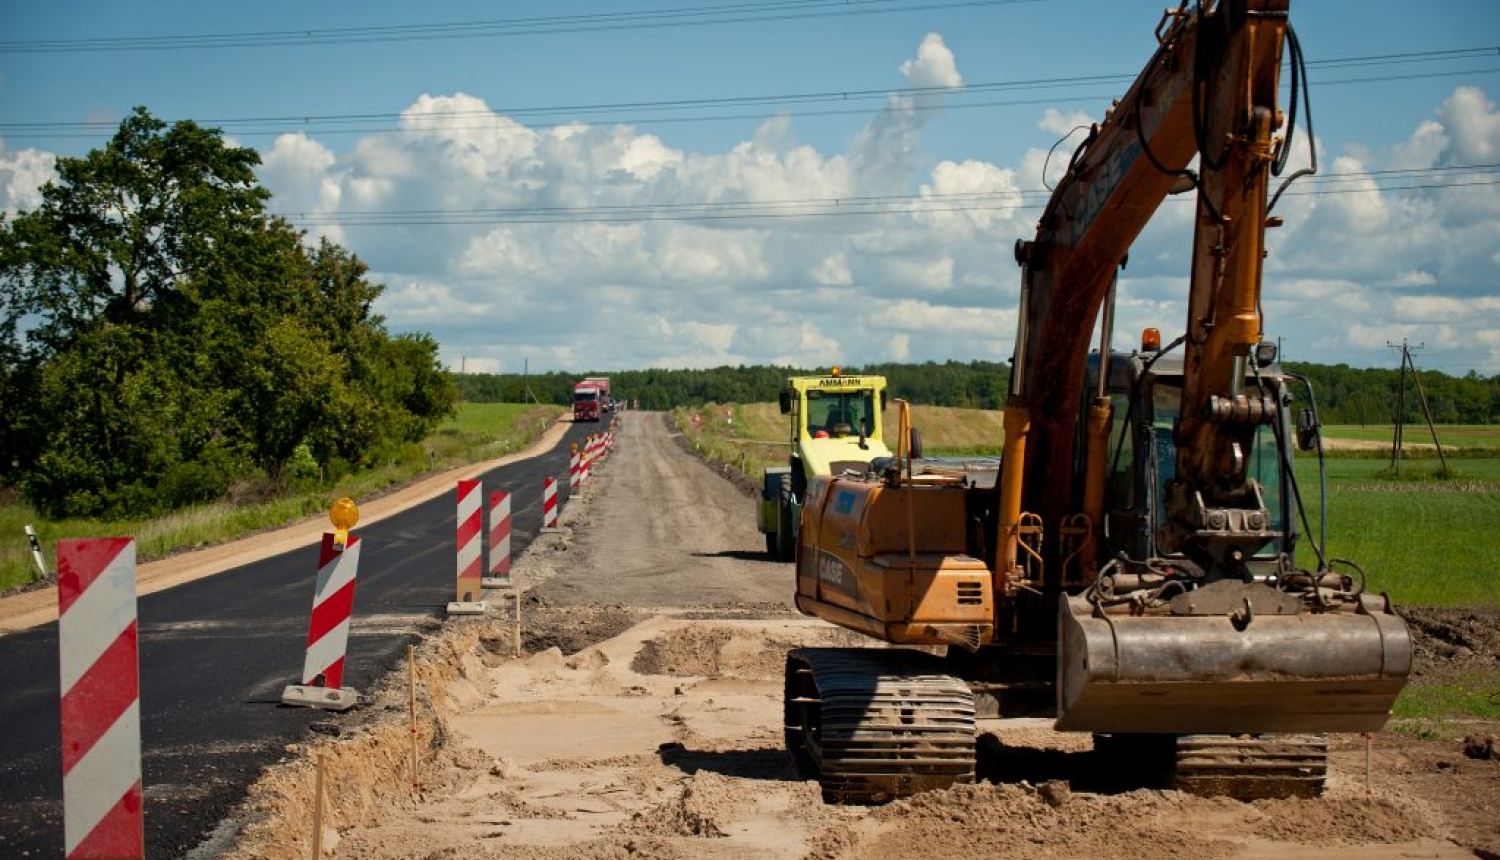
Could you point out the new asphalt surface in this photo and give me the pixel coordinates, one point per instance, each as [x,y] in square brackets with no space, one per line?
[216,654]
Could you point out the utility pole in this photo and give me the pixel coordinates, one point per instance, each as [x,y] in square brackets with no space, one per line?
[526,379]
[1406,361]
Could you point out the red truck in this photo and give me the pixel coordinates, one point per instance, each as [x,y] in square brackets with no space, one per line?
[588,400]
[606,402]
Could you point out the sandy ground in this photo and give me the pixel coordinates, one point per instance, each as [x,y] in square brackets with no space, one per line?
[633,710]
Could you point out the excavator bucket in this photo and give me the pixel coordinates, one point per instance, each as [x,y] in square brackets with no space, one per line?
[1232,673]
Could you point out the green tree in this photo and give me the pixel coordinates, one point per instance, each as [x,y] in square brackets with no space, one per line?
[94,283]
[163,337]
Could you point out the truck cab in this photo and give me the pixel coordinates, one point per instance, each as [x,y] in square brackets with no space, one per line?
[587,402]
[835,426]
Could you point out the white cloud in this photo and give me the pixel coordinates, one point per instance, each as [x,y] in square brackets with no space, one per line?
[22,175]
[971,197]
[933,66]
[832,270]
[585,246]
[1065,124]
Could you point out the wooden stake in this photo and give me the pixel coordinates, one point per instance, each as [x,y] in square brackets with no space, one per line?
[411,689]
[1369,739]
[517,652]
[317,851]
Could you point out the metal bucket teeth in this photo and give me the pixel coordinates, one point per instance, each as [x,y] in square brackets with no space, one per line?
[878,724]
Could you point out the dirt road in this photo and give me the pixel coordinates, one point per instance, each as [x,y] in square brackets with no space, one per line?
[643,720]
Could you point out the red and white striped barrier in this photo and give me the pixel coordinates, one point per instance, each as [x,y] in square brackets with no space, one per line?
[499,542]
[98,643]
[575,469]
[328,634]
[470,523]
[549,505]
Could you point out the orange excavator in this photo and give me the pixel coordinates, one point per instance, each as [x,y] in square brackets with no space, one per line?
[1142,567]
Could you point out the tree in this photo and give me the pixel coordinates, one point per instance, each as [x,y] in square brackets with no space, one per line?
[163,337]
[96,293]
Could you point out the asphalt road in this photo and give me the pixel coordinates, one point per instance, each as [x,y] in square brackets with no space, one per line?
[215,655]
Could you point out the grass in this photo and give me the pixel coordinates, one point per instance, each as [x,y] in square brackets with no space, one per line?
[1454,435]
[1425,542]
[752,436]
[479,431]
[1475,695]
[1448,711]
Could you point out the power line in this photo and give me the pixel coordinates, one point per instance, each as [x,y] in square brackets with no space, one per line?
[693,16]
[450,120]
[1457,176]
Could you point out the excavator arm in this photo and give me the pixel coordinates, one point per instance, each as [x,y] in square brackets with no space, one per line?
[1209,93]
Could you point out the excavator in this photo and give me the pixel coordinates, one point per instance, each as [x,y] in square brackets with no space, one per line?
[1142,568]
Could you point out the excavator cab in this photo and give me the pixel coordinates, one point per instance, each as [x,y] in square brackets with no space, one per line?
[1145,394]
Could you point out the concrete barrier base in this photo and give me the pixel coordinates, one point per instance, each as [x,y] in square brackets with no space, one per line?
[325,698]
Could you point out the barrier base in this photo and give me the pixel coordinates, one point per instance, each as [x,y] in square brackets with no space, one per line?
[495,582]
[325,698]
[468,607]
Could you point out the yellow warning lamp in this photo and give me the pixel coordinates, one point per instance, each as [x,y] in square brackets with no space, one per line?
[836,370]
[1151,340]
[344,514]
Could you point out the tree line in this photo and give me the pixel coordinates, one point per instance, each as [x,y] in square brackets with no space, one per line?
[1345,395]
[977,384]
[1368,396]
[162,338]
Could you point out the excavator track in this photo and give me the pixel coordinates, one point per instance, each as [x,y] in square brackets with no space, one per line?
[1245,767]
[1251,767]
[876,724]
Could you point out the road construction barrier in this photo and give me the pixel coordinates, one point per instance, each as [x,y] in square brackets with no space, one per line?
[98,644]
[575,468]
[470,524]
[549,505]
[499,567]
[328,633]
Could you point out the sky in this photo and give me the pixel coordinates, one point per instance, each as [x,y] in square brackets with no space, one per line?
[593,186]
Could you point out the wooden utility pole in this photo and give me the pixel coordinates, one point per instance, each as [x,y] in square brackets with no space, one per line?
[526,379]
[1406,361]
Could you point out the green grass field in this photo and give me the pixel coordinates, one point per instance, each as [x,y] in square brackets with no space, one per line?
[1454,435]
[479,431]
[1424,541]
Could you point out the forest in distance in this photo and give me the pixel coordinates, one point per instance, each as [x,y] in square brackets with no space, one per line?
[1346,395]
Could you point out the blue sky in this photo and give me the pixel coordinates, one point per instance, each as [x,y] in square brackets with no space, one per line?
[611,110]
